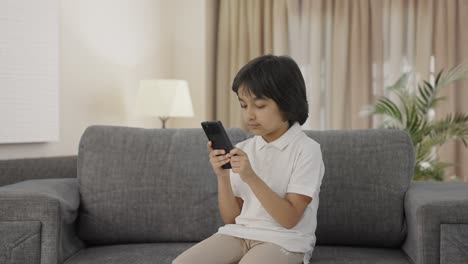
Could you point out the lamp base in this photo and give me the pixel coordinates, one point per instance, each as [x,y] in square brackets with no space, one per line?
[163,120]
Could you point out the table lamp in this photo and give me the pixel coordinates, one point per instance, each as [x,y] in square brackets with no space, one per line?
[164,99]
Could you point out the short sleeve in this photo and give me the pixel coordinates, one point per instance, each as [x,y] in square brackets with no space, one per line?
[308,172]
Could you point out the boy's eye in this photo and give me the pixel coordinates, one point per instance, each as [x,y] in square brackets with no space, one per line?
[257,106]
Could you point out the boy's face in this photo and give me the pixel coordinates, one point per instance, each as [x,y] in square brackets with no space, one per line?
[262,116]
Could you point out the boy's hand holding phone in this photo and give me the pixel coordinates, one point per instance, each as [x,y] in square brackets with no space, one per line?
[223,155]
[218,139]
[218,157]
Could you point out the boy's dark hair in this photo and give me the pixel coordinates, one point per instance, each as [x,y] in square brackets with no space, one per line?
[278,78]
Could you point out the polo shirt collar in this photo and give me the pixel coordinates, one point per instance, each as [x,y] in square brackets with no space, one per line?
[281,142]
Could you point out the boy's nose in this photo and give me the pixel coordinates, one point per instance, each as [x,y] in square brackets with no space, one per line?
[251,115]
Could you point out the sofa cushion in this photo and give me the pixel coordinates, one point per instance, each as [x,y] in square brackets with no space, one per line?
[164,253]
[367,173]
[361,255]
[146,185]
[160,253]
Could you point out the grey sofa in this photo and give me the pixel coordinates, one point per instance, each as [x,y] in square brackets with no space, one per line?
[135,195]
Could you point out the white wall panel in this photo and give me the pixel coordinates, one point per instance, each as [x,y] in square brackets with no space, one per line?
[29,70]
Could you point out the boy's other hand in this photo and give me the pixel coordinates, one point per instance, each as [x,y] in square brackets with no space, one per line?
[240,164]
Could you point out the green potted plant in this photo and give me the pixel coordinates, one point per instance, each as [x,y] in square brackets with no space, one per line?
[412,108]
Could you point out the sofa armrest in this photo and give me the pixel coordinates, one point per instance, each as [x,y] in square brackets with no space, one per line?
[17,170]
[437,218]
[37,221]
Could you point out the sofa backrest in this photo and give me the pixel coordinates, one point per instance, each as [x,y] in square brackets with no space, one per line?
[153,185]
[367,173]
[146,185]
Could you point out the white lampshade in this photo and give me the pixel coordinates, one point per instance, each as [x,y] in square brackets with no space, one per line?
[164,98]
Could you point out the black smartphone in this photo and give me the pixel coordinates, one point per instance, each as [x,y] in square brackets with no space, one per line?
[216,133]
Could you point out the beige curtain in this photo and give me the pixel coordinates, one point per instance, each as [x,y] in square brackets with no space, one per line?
[246,29]
[450,48]
[332,44]
[351,50]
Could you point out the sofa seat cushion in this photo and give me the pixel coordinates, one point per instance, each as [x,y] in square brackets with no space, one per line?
[164,253]
[130,253]
[355,255]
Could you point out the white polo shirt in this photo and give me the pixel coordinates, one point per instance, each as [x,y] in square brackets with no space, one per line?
[290,164]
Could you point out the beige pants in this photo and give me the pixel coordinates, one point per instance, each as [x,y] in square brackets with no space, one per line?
[224,249]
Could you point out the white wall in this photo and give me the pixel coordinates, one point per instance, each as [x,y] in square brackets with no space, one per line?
[29,71]
[107,46]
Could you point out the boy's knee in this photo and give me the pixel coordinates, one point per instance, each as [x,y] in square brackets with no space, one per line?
[182,259]
[178,261]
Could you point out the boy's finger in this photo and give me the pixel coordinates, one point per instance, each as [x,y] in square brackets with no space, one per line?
[216,159]
[217,152]
[222,158]
[237,151]
[221,163]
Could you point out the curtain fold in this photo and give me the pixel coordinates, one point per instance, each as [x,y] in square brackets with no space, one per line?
[331,41]
[462,96]
[246,29]
[359,91]
[450,48]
